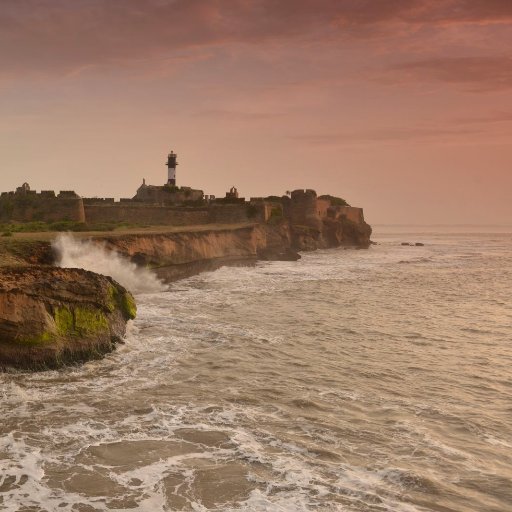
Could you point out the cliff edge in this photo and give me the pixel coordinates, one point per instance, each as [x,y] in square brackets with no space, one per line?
[51,316]
[317,223]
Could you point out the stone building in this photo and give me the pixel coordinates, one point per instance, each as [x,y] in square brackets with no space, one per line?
[167,194]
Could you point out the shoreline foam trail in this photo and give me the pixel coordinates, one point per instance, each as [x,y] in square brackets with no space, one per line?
[313,385]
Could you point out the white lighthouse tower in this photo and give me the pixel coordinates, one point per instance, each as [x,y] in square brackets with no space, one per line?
[171,168]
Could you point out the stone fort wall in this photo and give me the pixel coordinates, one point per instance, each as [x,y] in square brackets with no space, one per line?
[303,208]
[140,213]
[43,207]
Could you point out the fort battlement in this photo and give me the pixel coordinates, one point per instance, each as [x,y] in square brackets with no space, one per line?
[26,205]
[301,208]
[134,212]
[310,218]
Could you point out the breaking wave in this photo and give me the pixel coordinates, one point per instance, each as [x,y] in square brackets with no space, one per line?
[74,253]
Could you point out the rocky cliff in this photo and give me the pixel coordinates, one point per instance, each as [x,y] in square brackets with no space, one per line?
[176,255]
[316,224]
[51,316]
[179,254]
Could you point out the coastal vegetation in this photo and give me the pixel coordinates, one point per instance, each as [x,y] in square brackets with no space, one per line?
[335,201]
[63,225]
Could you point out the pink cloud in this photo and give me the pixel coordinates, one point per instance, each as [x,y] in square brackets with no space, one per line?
[390,134]
[476,73]
[60,36]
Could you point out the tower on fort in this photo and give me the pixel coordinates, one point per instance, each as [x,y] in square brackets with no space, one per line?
[171,168]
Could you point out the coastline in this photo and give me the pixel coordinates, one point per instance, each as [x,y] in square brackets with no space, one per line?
[172,253]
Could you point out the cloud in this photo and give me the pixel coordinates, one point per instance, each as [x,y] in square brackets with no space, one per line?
[45,36]
[465,11]
[382,135]
[239,115]
[497,117]
[477,73]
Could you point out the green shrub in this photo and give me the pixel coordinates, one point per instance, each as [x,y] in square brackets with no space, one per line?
[335,201]
[29,227]
[66,225]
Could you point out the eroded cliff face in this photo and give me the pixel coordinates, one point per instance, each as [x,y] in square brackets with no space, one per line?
[52,316]
[316,224]
[176,255]
[156,250]
[333,233]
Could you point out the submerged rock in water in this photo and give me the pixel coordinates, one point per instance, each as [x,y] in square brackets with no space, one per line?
[52,316]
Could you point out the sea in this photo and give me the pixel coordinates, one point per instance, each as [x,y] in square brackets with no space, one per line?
[351,380]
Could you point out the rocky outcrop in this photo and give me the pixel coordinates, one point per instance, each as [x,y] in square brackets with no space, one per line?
[315,224]
[301,226]
[175,255]
[344,231]
[52,316]
[177,248]
[278,243]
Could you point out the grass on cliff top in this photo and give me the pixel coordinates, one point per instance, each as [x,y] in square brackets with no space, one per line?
[7,229]
[14,248]
[97,230]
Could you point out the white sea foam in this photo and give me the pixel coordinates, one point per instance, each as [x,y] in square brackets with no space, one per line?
[73,253]
[308,372]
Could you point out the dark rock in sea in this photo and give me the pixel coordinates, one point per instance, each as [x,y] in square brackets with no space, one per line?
[284,254]
[53,316]
[419,244]
[405,243]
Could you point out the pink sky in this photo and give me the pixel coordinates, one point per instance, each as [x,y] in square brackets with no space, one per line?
[403,107]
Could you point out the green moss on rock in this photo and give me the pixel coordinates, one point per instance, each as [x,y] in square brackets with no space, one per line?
[90,321]
[125,301]
[39,339]
[128,306]
[63,320]
[113,298]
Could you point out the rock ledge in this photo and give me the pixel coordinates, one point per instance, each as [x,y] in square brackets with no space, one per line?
[53,316]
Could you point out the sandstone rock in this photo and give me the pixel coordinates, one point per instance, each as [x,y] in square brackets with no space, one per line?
[356,233]
[52,316]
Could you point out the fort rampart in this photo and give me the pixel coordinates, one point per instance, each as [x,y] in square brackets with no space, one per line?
[28,206]
[139,213]
[312,221]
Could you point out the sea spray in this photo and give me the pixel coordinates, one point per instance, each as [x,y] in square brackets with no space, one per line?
[73,253]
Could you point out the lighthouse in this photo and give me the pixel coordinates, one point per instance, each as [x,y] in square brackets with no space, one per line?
[171,168]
